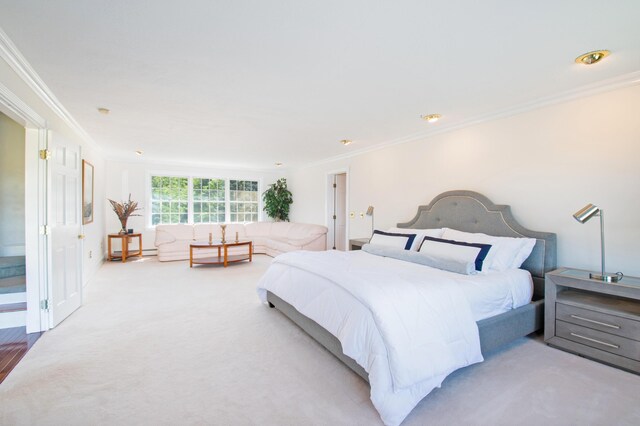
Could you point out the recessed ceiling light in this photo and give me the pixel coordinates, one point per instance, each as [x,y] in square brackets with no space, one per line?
[104,111]
[592,57]
[139,152]
[278,164]
[431,118]
[346,142]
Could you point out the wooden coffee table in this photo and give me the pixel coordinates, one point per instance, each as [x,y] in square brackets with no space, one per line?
[223,253]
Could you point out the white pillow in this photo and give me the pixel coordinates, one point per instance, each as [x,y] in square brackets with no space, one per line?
[455,251]
[420,234]
[504,250]
[525,251]
[391,239]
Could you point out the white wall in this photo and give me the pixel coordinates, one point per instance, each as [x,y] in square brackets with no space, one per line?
[95,241]
[12,177]
[124,178]
[546,164]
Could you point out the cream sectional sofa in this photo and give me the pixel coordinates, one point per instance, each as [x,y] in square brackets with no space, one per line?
[270,238]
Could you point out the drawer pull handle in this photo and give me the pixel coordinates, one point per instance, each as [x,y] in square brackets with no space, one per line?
[596,341]
[617,327]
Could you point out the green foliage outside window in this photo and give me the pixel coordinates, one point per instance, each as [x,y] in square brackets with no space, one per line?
[169,199]
[171,202]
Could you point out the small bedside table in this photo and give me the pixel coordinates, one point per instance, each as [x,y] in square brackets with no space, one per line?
[592,318]
[357,243]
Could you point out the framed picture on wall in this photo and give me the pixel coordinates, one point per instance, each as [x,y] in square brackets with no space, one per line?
[87,192]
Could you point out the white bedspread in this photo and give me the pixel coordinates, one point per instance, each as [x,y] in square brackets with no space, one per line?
[407,325]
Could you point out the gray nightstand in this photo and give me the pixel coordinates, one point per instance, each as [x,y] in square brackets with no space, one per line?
[594,319]
[357,243]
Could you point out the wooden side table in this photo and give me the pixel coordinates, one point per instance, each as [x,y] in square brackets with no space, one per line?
[357,243]
[124,238]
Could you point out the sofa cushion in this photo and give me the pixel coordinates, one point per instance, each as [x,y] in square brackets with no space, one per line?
[258,229]
[170,233]
[232,228]
[201,231]
[281,246]
[303,231]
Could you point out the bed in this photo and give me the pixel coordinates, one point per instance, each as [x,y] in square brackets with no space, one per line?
[465,211]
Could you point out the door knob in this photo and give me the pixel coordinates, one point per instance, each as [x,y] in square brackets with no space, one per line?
[81,237]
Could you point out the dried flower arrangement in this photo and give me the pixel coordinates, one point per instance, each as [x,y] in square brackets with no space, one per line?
[124,210]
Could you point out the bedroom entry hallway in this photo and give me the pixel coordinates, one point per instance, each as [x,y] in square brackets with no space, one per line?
[336,214]
[161,343]
[13,296]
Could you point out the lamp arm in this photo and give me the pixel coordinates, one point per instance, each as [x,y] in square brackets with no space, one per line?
[372,228]
[602,240]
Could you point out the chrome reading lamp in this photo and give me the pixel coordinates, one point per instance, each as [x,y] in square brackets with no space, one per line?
[370,213]
[582,216]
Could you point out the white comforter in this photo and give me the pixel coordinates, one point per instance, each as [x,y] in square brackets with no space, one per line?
[408,327]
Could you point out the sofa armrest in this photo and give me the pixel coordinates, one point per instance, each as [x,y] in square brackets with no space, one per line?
[318,243]
[163,237]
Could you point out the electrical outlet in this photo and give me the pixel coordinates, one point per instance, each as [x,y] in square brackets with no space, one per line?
[90,254]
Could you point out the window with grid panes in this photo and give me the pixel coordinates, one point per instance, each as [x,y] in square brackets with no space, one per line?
[169,200]
[243,200]
[208,200]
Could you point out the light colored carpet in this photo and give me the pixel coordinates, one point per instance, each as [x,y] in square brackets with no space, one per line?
[162,344]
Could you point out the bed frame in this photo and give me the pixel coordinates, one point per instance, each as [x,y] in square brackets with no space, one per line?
[470,212]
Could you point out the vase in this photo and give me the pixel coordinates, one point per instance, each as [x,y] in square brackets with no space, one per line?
[224,230]
[123,230]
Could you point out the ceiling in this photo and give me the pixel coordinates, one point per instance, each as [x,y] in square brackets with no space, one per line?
[250,83]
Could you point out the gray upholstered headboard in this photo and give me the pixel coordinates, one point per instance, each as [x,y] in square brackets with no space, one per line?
[473,212]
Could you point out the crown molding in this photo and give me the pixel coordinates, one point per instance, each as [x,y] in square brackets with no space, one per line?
[626,80]
[221,167]
[12,56]
[20,109]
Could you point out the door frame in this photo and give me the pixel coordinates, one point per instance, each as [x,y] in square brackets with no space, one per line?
[36,242]
[329,193]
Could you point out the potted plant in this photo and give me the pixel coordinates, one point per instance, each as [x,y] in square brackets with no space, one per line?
[124,210]
[277,200]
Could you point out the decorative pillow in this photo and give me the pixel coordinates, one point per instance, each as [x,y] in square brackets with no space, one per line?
[390,239]
[420,233]
[466,268]
[503,252]
[456,251]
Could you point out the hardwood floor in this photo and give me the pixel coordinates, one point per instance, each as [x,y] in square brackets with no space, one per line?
[14,344]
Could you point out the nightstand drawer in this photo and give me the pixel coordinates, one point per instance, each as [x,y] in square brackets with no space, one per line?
[599,340]
[611,324]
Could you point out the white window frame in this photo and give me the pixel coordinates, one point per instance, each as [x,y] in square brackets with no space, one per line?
[190,176]
[228,197]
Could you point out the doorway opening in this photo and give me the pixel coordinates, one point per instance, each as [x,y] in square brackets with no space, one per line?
[336,215]
[13,280]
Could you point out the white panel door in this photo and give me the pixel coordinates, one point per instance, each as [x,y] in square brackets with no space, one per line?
[341,212]
[65,168]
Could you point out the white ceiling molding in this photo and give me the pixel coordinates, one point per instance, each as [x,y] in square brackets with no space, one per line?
[22,111]
[615,83]
[159,163]
[12,56]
